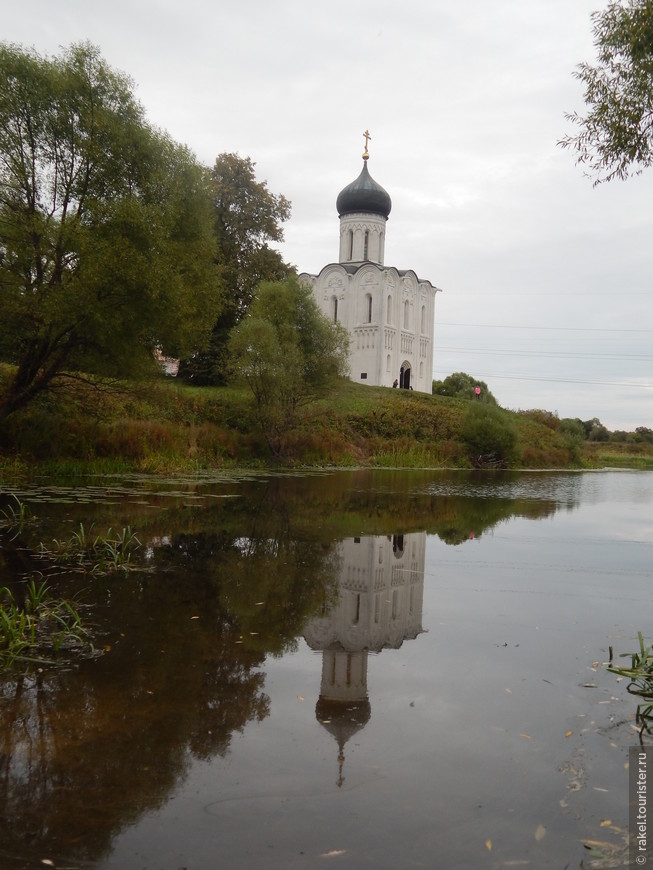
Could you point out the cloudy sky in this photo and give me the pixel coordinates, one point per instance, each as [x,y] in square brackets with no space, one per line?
[547,281]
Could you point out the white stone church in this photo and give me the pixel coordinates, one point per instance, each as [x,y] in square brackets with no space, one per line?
[388,312]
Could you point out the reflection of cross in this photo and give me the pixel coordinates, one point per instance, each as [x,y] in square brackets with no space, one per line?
[367,138]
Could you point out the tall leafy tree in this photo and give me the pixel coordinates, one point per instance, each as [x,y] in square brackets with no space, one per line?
[107,250]
[247,218]
[615,136]
[287,352]
[460,385]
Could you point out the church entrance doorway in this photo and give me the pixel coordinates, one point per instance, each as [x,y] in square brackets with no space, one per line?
[404,377]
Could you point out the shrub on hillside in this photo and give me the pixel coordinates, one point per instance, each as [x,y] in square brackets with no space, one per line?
[574,428]
[546,418]
[490,437]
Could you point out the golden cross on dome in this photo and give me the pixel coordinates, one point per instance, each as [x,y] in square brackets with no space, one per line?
[366,153]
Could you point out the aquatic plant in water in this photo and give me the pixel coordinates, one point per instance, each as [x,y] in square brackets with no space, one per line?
[15,516]
[98,554]
[640,674]
[39,629]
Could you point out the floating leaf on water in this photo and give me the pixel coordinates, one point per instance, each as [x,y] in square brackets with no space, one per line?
[527,736]
[194,617]
[333,853]
[300,697]
[509,691]
[488,845]
[568,733]
[605,823]
[540,833]
[598,848]
[47,861]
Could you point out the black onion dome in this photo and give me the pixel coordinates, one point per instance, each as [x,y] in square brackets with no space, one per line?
[364,195]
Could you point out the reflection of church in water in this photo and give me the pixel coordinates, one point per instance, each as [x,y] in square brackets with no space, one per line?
[379,606]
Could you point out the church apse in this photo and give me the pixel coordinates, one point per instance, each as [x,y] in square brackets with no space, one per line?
[379,606]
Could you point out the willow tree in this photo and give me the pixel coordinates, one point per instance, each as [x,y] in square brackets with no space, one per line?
[107,251]
[615,136]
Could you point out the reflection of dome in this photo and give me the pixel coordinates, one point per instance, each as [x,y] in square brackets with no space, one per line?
[364,195]
[342,719]
[379,605]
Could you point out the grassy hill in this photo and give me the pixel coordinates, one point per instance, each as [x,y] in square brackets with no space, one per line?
[166,426]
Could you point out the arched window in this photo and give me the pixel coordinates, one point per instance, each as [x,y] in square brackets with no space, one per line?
[423,326]
[406,313]
[388,316]
[356,616]
[366,244]
[369,307]
[335,308]
[388,363]
[351,244]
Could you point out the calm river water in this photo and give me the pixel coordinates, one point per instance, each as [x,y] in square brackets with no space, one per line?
[386,669]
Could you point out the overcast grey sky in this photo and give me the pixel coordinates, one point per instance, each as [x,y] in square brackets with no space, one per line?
[547,281]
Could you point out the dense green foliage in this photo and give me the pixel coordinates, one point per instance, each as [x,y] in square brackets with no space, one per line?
[490,436]
[106,236]
[246,216]
[615,136]
[286,352]
[463,386]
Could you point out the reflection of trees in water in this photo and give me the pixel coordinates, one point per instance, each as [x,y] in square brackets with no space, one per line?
[266,586]
[85,752]
[284,511]
[455,519]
